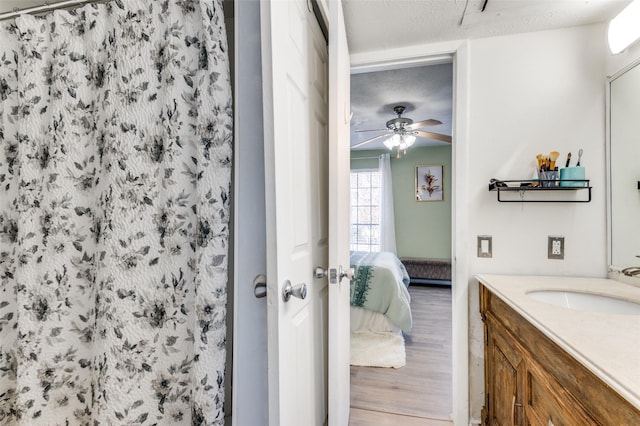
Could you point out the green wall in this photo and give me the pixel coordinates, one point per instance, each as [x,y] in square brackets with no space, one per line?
[423,229]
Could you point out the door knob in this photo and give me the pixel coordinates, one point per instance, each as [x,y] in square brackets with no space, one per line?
[299,291]
[260,286]
[320,272]
[350,273]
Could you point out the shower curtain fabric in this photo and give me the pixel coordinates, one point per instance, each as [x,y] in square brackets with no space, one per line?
[387,217]
[115,168]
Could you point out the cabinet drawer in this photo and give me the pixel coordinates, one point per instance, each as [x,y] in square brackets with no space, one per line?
[547,403]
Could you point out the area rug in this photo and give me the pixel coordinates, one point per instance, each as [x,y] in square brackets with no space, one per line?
[378,350]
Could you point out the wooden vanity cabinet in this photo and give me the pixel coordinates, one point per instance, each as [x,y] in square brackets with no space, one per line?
[548,403]
[531,381]
[504,363]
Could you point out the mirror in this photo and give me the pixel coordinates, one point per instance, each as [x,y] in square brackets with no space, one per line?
[624,168]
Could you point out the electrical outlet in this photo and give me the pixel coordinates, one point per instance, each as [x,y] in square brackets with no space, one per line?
[555,247]
[484,246]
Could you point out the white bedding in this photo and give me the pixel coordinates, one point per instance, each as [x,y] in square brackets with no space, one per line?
[380,285]
[364,320]
[380,310]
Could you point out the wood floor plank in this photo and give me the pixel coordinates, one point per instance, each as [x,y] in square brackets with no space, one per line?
[376,418]
[422,388]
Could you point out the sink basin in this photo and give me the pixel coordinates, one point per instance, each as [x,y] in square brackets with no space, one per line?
[583,301]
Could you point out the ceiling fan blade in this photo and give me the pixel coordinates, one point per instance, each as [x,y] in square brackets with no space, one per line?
[423,123]
[430,135]
[371,130]
[359,144]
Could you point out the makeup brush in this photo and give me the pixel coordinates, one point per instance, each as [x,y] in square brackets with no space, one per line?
[568,159]
[539,157]
[553,156]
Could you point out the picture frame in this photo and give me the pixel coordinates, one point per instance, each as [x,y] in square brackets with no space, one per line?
[429,182]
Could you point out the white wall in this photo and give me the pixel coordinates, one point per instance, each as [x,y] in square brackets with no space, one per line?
[528,94]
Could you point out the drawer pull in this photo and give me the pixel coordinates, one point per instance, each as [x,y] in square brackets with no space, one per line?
[514,404]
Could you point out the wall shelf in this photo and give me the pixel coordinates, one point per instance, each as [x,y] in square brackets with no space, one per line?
[540,186]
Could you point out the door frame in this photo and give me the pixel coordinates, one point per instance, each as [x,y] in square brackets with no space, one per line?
[458,52]
[248,378]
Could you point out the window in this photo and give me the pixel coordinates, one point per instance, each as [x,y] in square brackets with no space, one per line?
[365,210]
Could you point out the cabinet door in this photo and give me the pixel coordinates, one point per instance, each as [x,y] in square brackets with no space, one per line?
[505,378]
[547,403]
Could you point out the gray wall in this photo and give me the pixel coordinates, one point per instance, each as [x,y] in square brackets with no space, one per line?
[250,386]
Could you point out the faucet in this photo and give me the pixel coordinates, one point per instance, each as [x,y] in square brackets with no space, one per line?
[631,271]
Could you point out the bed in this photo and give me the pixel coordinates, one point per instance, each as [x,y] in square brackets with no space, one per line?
[380,310]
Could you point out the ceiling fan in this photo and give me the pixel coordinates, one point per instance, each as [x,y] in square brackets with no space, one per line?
[402,131]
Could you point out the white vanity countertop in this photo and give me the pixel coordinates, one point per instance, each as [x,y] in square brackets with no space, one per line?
[607,344]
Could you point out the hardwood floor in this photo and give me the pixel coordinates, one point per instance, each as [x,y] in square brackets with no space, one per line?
[418,394]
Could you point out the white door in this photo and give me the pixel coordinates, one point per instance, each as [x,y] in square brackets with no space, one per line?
[295,78]
[339,207]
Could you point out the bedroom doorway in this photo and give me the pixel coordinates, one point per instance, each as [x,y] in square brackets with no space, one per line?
[423,229]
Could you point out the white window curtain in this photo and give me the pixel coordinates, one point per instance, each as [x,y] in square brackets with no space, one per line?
[387,220]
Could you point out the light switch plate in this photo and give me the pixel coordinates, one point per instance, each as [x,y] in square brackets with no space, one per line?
[485,246]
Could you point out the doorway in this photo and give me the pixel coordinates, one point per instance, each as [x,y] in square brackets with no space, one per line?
[423,231]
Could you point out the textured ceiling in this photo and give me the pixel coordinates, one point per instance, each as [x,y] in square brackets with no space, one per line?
[374,25]
[384,24]
[426,92]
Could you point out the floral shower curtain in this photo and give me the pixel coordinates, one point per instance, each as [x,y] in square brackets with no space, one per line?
[115,159]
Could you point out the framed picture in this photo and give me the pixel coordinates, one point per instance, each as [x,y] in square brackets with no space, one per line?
[430,183]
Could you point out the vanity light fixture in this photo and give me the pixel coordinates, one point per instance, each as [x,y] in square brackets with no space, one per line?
[624,29]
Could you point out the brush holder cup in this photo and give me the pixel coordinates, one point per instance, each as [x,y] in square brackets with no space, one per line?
[549,178]
[572,176]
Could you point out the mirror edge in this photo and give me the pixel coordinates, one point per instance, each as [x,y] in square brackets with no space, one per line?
[613,271]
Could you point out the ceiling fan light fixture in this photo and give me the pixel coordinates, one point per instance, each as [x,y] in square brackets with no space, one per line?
[623,29]
[409,140]
[392,142]
[405,142]
[402,132]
